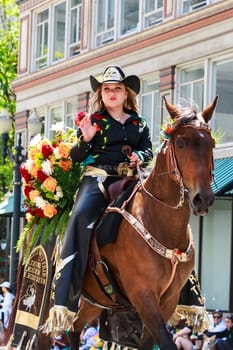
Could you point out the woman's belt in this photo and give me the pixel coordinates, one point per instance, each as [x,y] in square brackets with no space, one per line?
[106,169]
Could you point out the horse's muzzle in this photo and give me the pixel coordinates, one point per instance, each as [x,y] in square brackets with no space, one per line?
[201,202]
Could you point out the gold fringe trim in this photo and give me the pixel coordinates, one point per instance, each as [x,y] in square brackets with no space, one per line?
[115,346]
[60,319]
[196,316]
[57,250]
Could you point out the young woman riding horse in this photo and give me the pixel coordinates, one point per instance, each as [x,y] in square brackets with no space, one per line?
[101,140]
[153,254]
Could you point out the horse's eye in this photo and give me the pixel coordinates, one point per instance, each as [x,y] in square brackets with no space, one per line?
[180,143]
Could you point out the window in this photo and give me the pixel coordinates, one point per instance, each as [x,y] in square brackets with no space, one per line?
[105,21]
[192,84]
[150,106]
[129,16]
[42,25]
[55,120]
[71,110]
[153,12]
[62,116]
[217,238]
[75,27]
[59,31]
[55,38]
[192,5]
[223,73]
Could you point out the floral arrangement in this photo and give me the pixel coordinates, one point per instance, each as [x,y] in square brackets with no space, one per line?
[50,180]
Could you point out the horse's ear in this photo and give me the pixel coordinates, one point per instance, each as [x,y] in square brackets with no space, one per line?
[172,110]
[208,111]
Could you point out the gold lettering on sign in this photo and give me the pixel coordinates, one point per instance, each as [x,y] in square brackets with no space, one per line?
[33,289]
[36,269]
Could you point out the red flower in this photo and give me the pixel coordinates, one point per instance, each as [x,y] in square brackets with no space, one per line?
[97,127]
[79,117]
[46,150]
[98,116]
[39,212]
[41,176]
[24,173]
[168,130]
[135,122]
[27,190]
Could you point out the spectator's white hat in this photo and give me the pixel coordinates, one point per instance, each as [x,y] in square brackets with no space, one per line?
[5,284]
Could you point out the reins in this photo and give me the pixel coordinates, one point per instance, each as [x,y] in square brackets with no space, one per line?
[177,176]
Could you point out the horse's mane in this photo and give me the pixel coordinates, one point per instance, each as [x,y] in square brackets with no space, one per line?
[187,105]
[188,110]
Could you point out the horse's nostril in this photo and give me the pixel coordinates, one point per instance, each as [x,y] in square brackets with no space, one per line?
[200,201]
[197,200]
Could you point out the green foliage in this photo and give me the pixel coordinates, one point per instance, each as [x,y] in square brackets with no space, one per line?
[218,136]
[9,36]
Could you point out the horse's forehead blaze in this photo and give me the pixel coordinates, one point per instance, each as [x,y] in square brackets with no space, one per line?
[196,136]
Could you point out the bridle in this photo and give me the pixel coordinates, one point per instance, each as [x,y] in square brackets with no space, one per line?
[167,148]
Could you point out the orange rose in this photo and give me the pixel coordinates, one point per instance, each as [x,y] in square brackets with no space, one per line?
[34,170]
[50,184]
[49,211]
[65,164]
[34,194]
[64,149]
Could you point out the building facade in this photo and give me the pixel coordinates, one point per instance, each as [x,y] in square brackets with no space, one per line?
[181,49]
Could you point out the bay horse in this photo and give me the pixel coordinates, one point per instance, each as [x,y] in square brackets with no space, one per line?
[153,254]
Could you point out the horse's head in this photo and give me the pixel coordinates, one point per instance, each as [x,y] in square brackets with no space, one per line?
[192,146]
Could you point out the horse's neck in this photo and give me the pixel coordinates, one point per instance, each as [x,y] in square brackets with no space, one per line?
[161,182]
[168,192]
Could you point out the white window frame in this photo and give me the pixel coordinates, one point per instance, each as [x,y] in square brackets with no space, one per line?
[154,117]
[35,58]
[213,84]
[192,6]
[76,46]
[64,113]
[153,14]
[108,35]
[67,115]
[67,44]
[190,83]
[52,59]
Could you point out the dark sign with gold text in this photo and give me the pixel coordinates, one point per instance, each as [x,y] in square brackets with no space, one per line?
[33,298]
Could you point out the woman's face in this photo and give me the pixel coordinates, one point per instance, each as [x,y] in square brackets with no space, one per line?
[228,322]
[113,95]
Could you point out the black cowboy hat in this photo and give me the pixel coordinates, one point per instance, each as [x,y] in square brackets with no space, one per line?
[114,74]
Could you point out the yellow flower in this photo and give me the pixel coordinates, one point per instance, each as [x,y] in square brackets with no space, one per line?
[32,153]
[29,217]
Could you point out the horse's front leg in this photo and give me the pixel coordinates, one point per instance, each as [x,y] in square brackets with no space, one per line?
[149,312]
[147,342]
[86,314]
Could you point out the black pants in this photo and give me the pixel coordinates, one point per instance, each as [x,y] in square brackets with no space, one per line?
[223,345]
[89,205]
